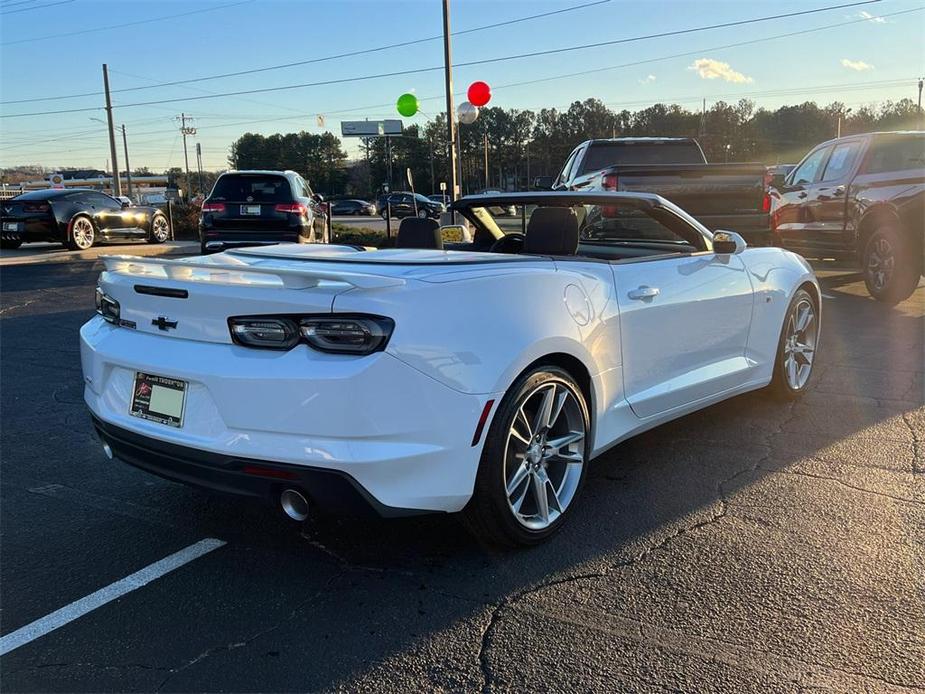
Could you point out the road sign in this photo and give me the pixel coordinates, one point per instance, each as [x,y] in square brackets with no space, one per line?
[370,128]
[442,186]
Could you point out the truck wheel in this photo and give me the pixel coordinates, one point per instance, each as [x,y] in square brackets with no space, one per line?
[892,265]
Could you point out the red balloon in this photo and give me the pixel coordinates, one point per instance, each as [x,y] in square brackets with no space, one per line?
[479,93]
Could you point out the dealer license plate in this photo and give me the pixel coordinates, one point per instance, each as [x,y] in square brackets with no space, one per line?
[158,399]
[250,209]
[11,226]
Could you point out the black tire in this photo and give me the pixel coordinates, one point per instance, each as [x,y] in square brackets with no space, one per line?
[781,385]
[72,243]
[489,515]
[9,244]
[891,264]
[160,228]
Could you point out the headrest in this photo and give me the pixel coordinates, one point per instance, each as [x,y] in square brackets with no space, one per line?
[414,232]
[552,231]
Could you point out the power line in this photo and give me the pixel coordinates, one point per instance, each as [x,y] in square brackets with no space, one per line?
[318,60]
[37,7]
[471,63]
[126,24]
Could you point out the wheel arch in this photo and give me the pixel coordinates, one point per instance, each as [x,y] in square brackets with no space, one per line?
[872,219]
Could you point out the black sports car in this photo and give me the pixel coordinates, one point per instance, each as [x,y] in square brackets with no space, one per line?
[78,218]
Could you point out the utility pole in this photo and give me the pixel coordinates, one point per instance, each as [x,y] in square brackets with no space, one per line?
[450,114]
[185,130]
[199,165]
[116,183]
[921,117]
[485,148]
[128,169]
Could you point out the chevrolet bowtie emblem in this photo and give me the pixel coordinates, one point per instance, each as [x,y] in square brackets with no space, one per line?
[163,324]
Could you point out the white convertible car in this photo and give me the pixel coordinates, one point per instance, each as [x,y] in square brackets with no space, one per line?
[480,377]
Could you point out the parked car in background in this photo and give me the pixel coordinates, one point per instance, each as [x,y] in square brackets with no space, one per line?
[720,196]
[442,198]
[404,204]
[777,173]
[359,381]
[253,208]
[859,197]
[356,207]
[507,210]
[124,199]
[78,218]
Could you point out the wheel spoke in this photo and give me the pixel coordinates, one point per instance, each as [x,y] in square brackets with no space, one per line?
[522,421]
[802,359]
[550,491]
[804,317]
[542,420]
[519,476]
[517,503]
[555,446]
[792,372]
[542,500]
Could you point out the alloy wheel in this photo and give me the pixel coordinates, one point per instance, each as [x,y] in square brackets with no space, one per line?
[159,228]
[800,343]
[544,455]
[880,263]
[82,233]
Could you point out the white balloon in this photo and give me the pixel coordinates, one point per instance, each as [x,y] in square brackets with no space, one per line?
[467,113]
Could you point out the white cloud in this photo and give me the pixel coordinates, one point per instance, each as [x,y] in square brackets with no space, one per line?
[648,79]
[863,14]
[710,69]
[856,65]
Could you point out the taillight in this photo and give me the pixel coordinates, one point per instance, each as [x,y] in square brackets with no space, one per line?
[36,207]
[213,207]
[766,203]
[340,334]
[610,182]
[292,207]
[347,335]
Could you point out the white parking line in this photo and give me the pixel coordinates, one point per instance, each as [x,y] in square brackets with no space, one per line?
[79,608]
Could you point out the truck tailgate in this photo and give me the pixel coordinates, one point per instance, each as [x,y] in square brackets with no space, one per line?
[703,190]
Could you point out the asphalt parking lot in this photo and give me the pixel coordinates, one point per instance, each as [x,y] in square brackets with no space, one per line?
[752,547]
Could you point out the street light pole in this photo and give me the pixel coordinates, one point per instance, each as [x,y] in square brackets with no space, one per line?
[921,116]
[128,169]
[117,184]
[450,115]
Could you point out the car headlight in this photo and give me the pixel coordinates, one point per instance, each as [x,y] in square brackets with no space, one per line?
[107,307]
[338,334]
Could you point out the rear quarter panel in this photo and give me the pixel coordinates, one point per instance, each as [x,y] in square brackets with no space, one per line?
[476,330]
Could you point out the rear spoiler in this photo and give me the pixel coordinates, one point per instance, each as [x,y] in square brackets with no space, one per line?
[231,273]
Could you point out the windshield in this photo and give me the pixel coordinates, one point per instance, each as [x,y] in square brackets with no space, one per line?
[252,188]
[598,224]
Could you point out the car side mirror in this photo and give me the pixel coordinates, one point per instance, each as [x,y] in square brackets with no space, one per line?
[318,197]
[126,204]
[543,182]
[728,243]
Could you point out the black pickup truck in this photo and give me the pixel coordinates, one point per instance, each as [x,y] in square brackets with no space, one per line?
[860,198]
[720,196]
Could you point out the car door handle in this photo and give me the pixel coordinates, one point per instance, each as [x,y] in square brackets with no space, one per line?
[642,293]
[802,195]
[839,191]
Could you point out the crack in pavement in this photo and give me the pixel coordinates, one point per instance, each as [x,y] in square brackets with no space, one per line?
[918,464]
[209,652]
[803,473]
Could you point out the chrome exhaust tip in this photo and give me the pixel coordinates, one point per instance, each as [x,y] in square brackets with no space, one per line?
[107,451]
[294,504]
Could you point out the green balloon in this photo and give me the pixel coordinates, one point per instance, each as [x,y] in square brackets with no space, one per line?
[407,105]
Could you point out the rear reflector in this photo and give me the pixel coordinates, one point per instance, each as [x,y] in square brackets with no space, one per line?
[213,207]
[268,472]
[476,437]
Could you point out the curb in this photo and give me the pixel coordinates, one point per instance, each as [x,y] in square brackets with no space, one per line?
[167,249]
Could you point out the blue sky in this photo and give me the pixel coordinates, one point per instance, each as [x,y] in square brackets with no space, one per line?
[856,64]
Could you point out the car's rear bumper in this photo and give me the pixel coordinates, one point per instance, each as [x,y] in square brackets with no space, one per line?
[328,491]
[402,436]
[31,229]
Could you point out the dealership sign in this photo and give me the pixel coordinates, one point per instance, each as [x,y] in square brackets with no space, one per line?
[370,128]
